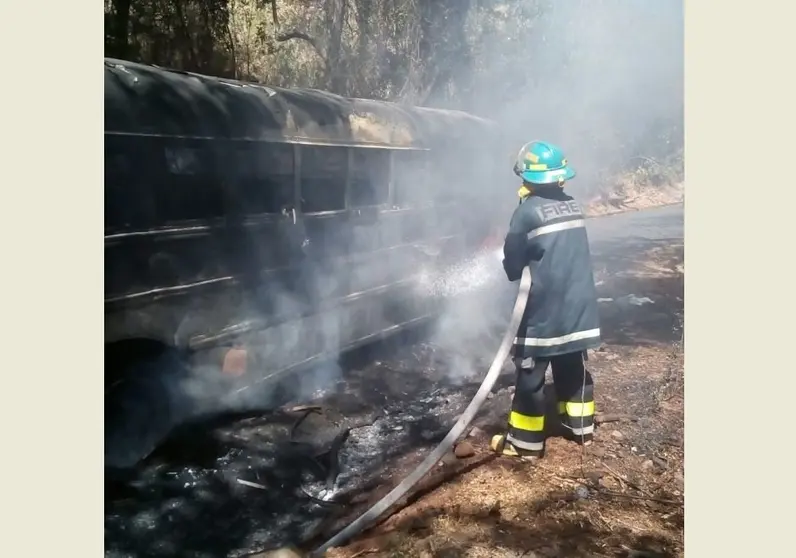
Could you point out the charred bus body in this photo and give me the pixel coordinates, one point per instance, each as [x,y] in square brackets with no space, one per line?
[251,231]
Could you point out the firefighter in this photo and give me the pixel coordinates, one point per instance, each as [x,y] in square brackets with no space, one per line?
[561,321]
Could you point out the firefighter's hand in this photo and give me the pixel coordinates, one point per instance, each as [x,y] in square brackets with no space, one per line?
[510,273]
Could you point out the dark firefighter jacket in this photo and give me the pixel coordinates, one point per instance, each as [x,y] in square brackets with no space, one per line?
[547,233]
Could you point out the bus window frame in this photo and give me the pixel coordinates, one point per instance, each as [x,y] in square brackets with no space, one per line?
[349,209]
[299,177]
[228,187]
[238,190]
[369,207]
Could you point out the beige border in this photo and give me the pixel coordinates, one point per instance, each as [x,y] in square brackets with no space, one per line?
[52,95]
[738,85]
[739,326]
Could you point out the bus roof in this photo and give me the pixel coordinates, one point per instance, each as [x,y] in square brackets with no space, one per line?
[143,99]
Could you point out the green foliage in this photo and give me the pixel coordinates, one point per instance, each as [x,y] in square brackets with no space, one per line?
[410,50]
[564,69]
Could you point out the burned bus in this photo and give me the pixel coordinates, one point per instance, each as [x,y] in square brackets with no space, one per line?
[251,231]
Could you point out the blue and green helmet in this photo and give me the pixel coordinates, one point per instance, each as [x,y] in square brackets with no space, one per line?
[539,162]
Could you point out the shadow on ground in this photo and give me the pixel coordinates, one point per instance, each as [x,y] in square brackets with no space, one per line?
[554,525]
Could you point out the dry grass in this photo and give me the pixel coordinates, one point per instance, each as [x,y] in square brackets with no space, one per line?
[650,184]
[620,497]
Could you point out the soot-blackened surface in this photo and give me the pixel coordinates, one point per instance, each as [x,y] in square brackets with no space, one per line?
[187,499]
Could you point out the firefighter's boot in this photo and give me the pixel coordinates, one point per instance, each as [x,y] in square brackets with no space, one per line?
[500,445]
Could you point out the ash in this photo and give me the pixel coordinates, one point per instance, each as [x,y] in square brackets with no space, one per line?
[204,509]
[240,487]
[412,428]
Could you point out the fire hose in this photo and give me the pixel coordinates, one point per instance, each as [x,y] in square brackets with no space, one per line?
[372,514]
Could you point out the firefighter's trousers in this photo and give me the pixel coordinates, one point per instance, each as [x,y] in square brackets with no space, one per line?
[575,401]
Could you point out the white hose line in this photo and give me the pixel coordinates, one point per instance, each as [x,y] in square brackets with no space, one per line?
[367,518]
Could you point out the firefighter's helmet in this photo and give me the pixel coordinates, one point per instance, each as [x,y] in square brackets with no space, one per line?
[539,162]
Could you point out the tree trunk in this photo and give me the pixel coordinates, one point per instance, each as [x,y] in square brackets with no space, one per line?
[185,35]
[121,28]
[336,11]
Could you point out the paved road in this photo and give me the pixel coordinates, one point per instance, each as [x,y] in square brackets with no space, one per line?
[188,499]
[652,225]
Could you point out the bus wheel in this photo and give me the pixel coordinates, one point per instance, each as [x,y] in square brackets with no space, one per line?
[142,403]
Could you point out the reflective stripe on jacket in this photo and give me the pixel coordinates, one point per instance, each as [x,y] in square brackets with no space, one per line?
[548,233]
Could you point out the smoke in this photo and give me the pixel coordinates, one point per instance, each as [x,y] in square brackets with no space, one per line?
[601,78]
[474,316]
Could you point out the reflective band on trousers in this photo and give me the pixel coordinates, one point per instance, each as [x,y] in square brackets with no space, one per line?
[557,227]
[525,422]
[580,409]
[585,430]
[530,446]
[550,341]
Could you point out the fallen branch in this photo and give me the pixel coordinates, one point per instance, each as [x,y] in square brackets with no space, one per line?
[305,412]
[602,419]
[295,34]
[637,497]
[251,484]
[320,502]
[302,408]
[623,479]
[376,491]
[333,522]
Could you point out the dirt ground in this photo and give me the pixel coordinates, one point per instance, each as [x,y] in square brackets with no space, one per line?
[622,496]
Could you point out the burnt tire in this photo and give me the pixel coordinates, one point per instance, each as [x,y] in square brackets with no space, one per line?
[142,405]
